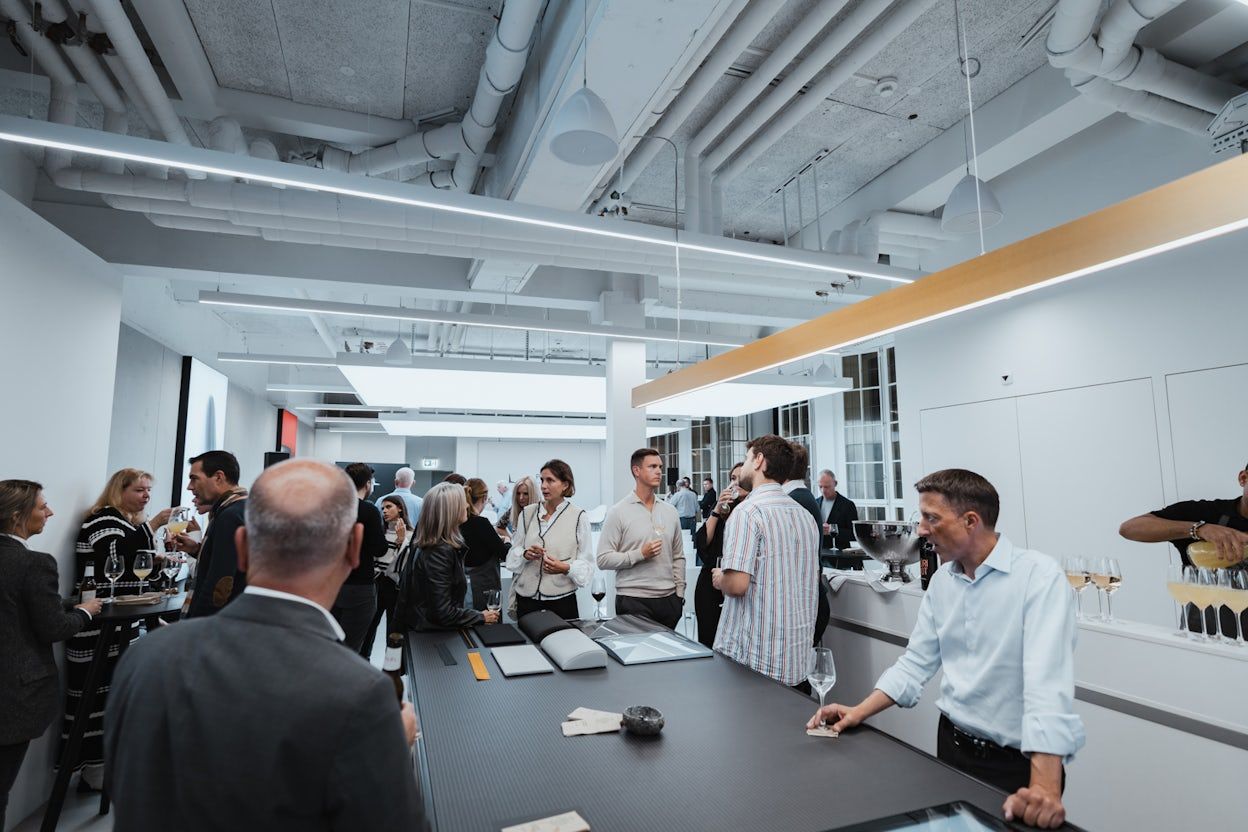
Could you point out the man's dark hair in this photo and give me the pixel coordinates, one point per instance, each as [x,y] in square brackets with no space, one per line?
[801,462]
[778,453]
[458,479]
[708,479]
[214,461]
[361,473]
[965,491]
[640,454]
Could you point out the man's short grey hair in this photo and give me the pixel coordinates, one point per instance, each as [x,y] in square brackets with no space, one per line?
[828,472]
[404,477]
[299,516]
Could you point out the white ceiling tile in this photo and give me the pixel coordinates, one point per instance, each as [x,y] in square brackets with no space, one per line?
[241,41]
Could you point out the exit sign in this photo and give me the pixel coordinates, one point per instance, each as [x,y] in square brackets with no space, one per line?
[430,464]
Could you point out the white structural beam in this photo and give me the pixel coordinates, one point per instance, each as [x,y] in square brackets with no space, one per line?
[626,425]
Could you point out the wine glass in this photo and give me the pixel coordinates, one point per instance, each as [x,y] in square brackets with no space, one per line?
[1237,600]
[172,566]
[1107,576]
[1077,575]
[1192,597]
[144,560]
[822,677]
[113,569]
[1177,587]
[1207,599]
[598,589]
[1228,598]
[493,601]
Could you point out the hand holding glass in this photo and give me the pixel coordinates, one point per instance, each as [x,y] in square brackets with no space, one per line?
[493,601]
[822,677]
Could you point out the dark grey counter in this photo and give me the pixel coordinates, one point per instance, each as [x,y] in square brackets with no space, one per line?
[734,754]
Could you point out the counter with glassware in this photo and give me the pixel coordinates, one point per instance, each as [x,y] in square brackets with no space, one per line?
[1137,686]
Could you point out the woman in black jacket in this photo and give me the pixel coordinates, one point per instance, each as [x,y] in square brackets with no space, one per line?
[431,596]
[32,618]
[708,542]
[486,550]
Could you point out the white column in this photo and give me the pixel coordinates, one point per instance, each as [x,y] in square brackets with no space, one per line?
[626,427]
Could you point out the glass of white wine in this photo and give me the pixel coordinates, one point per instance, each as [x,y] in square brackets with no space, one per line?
[1079,579]
[1107,576]
[1207,599]
[1177,586]
[113,569]
[822,677]
[144,561]
[1233,594]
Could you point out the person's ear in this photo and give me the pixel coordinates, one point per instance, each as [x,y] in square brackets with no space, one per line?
[354,539]
[240,546]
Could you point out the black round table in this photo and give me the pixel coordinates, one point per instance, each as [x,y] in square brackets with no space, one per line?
[112,619]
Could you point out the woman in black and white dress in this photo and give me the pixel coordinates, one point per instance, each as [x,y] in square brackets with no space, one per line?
[115,525]
[399,538]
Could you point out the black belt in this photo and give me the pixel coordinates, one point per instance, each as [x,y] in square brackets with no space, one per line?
[979,747]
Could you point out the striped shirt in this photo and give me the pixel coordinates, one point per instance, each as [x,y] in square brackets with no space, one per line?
[771,628]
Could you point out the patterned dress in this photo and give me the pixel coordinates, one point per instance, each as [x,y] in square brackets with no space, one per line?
[103,533]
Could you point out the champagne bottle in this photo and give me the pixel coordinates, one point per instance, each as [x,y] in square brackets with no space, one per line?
[88,589]
[1205,555]
[393,665]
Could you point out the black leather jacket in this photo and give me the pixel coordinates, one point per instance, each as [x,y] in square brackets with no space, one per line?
[431,594]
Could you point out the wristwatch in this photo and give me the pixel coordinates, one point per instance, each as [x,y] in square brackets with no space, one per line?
[1192,532]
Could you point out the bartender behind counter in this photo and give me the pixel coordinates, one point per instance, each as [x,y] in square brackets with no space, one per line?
[1223,523]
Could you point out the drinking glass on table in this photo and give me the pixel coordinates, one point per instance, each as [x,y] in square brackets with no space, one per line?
[598,589]
[1107,576]
[1079,579]
[144,562]
[113,569]
[172,566]
[493,600]
[822,677]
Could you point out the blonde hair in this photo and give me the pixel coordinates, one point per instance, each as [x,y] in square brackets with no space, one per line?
[117,484]
[439,517]
[516,508]
[476,490]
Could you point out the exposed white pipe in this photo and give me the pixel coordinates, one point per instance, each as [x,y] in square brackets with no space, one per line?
[118,67]
[193,224]
[741,34]
[63,99]
[466,140]
[697,197]
[1123,22]
[86,62]
[113,20]
[263,149]
[1141,105]
[226,134]
[62,109]
[849,62]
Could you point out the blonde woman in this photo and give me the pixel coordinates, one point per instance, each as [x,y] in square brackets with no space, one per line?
[550,551]
[523,493]
[115,525]
[432,589]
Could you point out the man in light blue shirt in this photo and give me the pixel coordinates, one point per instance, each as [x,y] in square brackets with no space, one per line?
[1000,621]
[403,479]
[686,504]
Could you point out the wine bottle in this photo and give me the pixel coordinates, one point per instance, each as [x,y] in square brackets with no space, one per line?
[1205,554]
[928,564]
[393,665]
[88,589]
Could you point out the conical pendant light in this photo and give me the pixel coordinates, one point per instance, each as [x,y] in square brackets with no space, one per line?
[584,132]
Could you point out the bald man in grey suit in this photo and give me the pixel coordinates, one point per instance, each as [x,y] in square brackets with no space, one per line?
[259,717]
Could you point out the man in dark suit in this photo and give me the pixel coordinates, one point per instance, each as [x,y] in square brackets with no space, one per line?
[795,486]
[218,578]
[709,498]
[258,717]
[835,510]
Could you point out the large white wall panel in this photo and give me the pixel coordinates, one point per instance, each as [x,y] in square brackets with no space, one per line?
[250,431]
[1090,459]
[1208,414]
[145,409]
[508,459]
[982,437]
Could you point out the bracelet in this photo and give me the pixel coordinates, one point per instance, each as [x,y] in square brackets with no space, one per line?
[1193,533]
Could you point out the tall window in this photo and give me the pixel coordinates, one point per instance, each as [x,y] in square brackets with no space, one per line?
[703,453]
[730,439]
[794,422]
[872,476]
[668,446]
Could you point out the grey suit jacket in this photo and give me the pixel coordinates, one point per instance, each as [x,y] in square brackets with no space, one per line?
[256,718]
[32,618]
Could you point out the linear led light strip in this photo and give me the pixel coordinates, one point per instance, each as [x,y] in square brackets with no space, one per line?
[359,310]
[311,183]
[642,398]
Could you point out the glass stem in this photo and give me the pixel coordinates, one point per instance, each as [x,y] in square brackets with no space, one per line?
[823,722]
[1109,607]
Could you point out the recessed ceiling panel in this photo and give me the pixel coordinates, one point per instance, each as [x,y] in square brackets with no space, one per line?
[240,38]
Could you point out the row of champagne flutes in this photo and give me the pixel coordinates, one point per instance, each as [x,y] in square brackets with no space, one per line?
[1103,573]
[144,565]
[1208,589]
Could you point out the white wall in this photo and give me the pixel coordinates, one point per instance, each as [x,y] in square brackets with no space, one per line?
[250,431]
[511,459]
[145,409]
[359,447]
[59,323]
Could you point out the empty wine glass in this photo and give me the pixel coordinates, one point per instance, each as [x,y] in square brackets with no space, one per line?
[113,569]
[1107,576]
[1077,575]
[493,600]
[822,677]
[172,566]
[144,562]
[598,589]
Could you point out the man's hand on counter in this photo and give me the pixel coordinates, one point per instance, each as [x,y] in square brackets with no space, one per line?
[1040,804]
[839,717]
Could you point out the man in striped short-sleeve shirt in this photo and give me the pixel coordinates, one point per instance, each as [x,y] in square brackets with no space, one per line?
[770,571]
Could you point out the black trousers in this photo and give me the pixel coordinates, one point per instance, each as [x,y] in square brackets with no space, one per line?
[11,757]
[708,603]
[666,610]
[565,607]
[387,597]
[1006,768]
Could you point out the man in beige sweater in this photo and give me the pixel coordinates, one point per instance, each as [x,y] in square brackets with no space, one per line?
[641,540]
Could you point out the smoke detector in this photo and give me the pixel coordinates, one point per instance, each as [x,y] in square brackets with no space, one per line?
[886,87]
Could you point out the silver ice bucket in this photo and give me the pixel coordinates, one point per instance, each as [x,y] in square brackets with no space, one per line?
[895,543]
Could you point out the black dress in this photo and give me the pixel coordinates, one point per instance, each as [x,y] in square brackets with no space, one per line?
[102,534]
[708,602]
[485,555]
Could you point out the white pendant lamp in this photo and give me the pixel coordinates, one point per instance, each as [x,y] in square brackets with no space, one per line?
[824,374]
[970,201]
[584,132]
[398,354]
